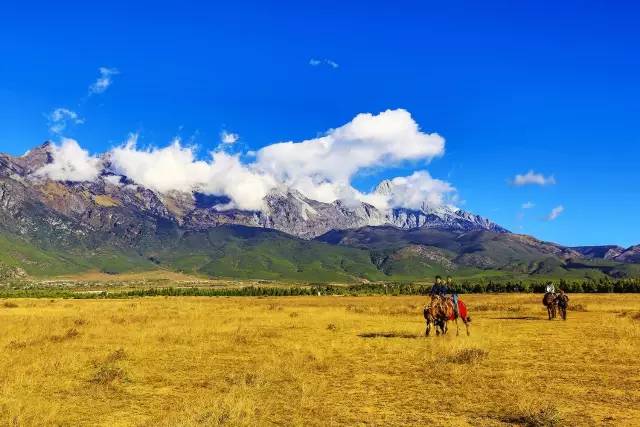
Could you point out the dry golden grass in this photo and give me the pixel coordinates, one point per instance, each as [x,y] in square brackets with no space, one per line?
[317,361]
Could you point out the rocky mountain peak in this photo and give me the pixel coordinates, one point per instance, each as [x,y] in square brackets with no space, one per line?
[385,188]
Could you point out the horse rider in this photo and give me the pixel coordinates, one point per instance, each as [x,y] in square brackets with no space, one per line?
[438,288]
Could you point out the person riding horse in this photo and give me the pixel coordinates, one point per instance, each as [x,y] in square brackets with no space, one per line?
[454,295]
[443,308]
[439,288]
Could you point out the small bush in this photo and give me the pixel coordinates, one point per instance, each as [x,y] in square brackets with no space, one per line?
[468,356]
[577,307]
[119,354]
[357,309]
[293,314]
[70,334]
[17,345]
[249,379]
[536,415]
[332,327]
[496,307]
[118,320]
[107,375]
[630,315]
[9,304]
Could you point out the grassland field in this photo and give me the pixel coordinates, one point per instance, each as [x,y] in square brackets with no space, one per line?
[317,361]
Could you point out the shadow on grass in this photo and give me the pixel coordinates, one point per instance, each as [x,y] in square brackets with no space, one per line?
[389,335]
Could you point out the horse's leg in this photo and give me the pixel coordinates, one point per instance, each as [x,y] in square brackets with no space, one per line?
[457,328]
[428,330]
[466,325]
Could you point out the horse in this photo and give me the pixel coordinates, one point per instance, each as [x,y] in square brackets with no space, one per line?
[440,311]
[550,300]
[436,314]
[562,300]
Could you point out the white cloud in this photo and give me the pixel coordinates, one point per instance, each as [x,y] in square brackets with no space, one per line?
[176,168]
[555,213]
[533,178]
[331,63]
[229,137]
[528,205]
[115,180]
[60,118]
[104,80]
[314,62]
[321,168]
[71,163]
[416,191]
[368,141]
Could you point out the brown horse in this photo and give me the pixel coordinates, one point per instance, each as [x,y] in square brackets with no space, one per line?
[439,312]
[550,300]
[436,314]
[562,300]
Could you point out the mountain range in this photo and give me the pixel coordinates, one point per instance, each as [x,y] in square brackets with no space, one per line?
[114,225]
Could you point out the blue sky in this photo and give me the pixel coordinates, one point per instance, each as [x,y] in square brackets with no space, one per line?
[547,86]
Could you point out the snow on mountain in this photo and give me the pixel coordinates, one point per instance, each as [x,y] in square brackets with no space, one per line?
[111,200]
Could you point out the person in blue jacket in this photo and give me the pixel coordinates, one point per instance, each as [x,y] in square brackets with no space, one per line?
[438,287]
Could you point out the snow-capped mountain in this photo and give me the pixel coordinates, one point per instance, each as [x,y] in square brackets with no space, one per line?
[441,216]
[112,199]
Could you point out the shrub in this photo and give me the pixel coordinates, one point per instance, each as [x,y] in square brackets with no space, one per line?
[70,334]
[119,354]
[468,356]
[577,307]
[536,415]
[107,375]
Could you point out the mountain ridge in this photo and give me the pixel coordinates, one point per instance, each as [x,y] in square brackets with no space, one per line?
[114,225]
[285,209]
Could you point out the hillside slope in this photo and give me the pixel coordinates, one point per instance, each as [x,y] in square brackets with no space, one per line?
[423,251]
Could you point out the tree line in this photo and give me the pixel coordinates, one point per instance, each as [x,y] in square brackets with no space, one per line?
[391,288]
